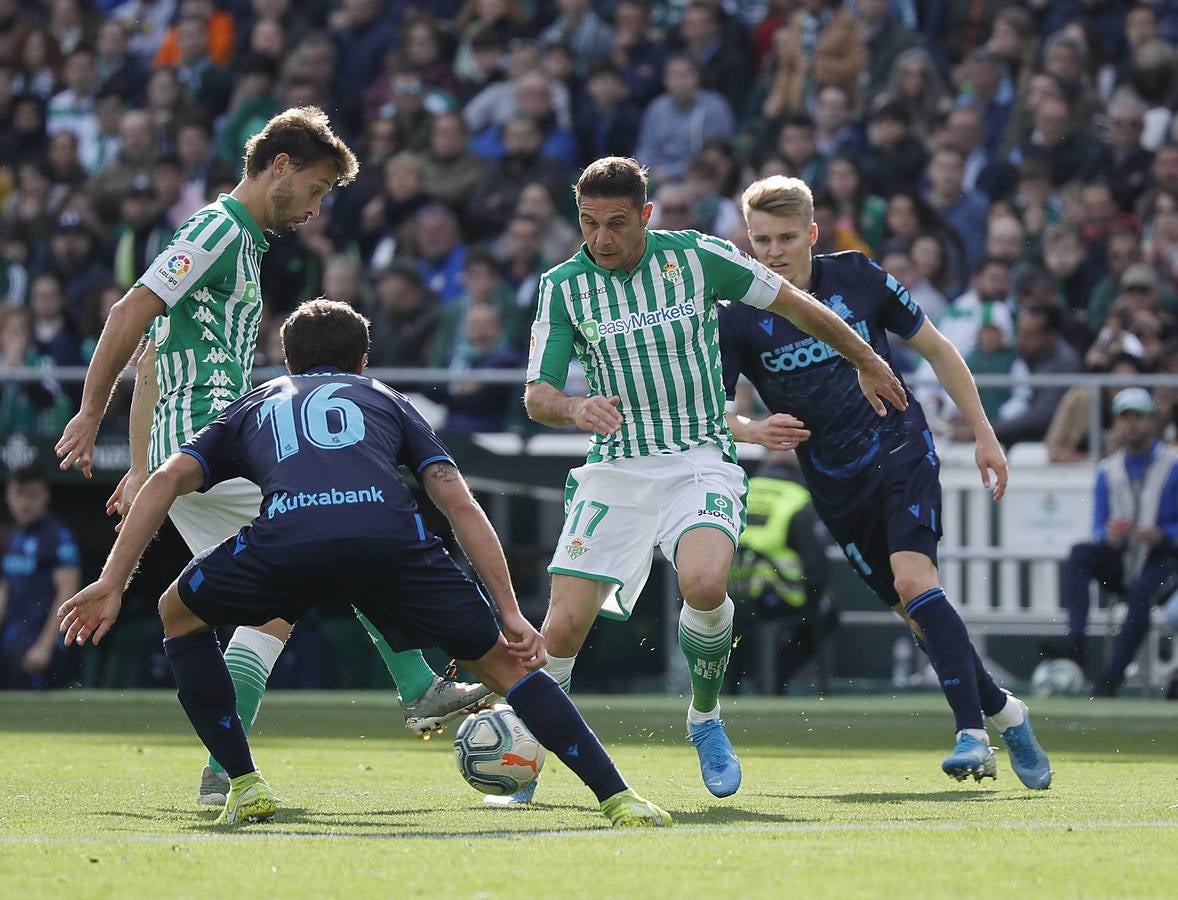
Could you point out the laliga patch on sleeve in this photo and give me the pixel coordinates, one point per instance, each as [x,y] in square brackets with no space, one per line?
[175,269]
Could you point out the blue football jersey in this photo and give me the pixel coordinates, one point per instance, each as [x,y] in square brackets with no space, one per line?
[801,375]
[30,559]
[324,447]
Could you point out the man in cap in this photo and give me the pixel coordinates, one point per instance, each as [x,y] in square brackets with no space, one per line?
[1142,285]
[72,258]
[1134,535]
[142,234]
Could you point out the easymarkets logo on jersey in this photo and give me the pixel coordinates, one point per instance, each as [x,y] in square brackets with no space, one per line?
[593,331]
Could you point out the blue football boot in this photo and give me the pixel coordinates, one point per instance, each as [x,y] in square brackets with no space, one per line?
[519,798]
[1026,756]
[717,762]
[970,757]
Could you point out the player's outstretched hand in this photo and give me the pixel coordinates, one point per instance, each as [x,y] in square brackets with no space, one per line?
[878,382]
[76,447]
[89,614]
[124,495]
[990,458]
[599,415]
[524,642]
[781,431]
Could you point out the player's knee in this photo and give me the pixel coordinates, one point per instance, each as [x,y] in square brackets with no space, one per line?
[910,585]
[164,606]
[279,628]
[177,618]
[569,618]
[563,633]
[704,587]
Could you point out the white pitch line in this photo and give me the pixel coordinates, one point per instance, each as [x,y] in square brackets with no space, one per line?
[798,828]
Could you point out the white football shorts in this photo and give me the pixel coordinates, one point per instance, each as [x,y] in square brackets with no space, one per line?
[204,520]
[617,512]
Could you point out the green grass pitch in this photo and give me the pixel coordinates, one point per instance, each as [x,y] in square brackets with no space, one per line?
[842,798]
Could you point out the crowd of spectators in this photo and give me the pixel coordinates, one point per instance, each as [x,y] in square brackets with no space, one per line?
[1014,164]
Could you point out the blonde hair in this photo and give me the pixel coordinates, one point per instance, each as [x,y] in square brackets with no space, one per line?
[779,195]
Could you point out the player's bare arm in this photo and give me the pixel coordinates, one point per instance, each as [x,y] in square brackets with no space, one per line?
[780,431]
[120,335]
[143,400]
[958,382]
[90,613]
[549,406]
[449,492]
[876,378]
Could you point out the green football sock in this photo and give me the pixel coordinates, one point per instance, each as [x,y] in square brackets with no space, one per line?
[250,658]
[412,675]
[705,637]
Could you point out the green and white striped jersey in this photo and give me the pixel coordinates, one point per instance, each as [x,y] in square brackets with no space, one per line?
[650,336]
[208,277]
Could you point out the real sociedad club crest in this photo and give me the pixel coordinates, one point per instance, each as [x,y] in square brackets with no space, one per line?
[840,308]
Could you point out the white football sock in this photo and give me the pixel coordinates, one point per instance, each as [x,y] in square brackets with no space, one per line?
[979,733]
[695,717]
[1010,715]
[561,670]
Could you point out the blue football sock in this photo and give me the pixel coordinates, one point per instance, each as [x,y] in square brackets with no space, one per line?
[923,647]
[993,697]
[206,693]
[551,716]
[951,654]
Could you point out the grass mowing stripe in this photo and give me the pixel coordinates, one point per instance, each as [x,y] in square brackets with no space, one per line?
[258,832]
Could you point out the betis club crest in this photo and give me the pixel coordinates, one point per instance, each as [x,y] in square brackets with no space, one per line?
[672,273]
[575,548]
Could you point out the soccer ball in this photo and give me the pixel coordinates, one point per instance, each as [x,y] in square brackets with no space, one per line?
[1057,677]
[496,753]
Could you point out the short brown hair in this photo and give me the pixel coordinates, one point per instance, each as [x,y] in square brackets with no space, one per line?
[613,176]
[324,332]
[779,195]
[304,134]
